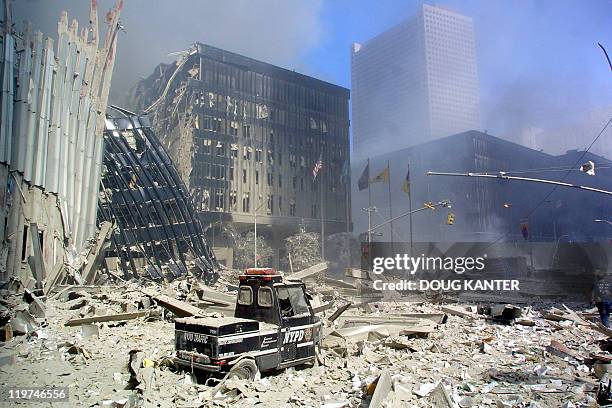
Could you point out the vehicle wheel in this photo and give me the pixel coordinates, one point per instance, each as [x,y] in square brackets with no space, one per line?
[245,369]
[318,356]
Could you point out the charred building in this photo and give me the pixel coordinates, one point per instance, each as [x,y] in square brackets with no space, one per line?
[246,136]
[487,210]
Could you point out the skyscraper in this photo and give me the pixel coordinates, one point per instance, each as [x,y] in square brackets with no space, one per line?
[415,82]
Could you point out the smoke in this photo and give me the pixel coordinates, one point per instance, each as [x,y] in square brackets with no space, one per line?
[544,81]
[280,32]
[541,72]
[576,135]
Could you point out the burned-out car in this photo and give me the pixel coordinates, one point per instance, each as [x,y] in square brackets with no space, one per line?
[273,327]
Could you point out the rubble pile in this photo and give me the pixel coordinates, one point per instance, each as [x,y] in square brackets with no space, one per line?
[112,346]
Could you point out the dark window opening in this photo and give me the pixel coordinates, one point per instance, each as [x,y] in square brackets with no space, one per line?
[24,243]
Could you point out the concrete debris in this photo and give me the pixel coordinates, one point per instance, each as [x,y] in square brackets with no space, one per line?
[339,283]
[89,330]
[116,349]
[7,359]
[425,389]
[23,323]
[439,397]
[386,319]
[142,371]
[322,307]
[309,272]
[214,297]
[36,305]
[338,312]
[381,392]
[97,252]
[439,318]
[356,273]
[561,350]
[336,343]
[179,308]
[107,318]
[457,311]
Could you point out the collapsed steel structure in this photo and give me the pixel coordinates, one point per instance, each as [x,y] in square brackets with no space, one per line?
[52,99]
[157,227]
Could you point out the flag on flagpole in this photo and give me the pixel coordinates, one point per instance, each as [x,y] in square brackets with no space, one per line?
[364,179]
[406,185]
[382,176]
[317,167]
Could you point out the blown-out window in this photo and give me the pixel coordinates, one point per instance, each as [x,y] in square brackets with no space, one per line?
[292,301]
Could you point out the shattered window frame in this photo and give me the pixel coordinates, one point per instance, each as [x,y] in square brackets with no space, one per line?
[292,296]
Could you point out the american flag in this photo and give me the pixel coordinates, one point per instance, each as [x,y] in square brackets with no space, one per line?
[317,167]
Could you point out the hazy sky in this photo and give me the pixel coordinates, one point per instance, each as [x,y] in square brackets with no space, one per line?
[541,71]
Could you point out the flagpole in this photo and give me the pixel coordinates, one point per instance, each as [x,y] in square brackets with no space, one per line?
[369,213]
[410,208]
[369,192]
[347,189]
[390,202]
[321,186]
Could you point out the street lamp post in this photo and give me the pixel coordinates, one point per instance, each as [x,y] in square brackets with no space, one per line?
[427,206]
[606,221]
[370,210]
[255,239]
[557,248]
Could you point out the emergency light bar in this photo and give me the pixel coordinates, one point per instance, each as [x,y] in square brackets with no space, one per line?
[260,271]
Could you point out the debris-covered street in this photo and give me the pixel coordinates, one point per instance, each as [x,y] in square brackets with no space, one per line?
[112,345]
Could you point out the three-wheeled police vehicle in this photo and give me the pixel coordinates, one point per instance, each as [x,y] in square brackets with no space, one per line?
[273,327]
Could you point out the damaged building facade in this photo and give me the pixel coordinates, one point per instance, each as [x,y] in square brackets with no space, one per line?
[54,95]
[246,135]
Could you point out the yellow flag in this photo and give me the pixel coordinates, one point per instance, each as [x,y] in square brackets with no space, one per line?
[382,177]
